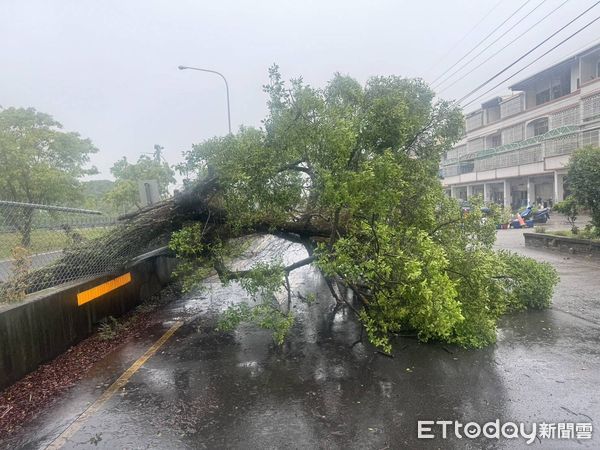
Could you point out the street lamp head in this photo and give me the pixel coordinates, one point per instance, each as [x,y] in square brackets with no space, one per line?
[226,88]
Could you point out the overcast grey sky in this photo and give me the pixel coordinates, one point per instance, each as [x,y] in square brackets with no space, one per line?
[108,69]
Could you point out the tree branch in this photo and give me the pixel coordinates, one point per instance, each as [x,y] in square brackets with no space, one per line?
[296,167]
[226,275]
[444,224]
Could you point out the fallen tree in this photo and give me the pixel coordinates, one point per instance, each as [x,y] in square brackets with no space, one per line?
[351,173]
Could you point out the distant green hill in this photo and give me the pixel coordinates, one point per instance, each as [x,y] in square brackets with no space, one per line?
[93,195]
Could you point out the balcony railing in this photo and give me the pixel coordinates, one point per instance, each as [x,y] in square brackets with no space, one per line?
[557,142]
[485,153]
[591,107]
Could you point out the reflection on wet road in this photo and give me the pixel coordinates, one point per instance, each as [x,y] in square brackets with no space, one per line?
[321,389]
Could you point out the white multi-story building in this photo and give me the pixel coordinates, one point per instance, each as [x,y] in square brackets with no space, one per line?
[516,148]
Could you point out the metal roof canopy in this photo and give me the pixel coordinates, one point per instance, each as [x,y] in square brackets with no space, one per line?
[524,82]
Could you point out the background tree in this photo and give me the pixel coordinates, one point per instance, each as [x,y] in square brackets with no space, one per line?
[124,194]
[570,209]
[40,162]
[94,195]
[584,180]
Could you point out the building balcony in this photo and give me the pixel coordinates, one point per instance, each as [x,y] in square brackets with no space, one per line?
[534,155]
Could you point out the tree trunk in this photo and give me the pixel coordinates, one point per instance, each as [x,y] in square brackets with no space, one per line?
[154,224]
[25,227]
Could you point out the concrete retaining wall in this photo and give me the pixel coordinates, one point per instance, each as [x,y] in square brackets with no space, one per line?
[48,322]
[573,246]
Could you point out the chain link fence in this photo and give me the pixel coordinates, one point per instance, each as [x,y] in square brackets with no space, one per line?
[35,240]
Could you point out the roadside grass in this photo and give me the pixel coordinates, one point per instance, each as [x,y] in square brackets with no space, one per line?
[582,234]
[43,240]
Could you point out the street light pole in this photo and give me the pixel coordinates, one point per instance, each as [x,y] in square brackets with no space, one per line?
[226,87]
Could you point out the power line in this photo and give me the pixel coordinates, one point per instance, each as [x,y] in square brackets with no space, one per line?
[457,43]
[532,62]
[482,41]
[527,53]
[441,82]
[510,43]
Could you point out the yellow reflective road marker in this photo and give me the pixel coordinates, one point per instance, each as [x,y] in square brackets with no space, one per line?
[104,288]
[113,388]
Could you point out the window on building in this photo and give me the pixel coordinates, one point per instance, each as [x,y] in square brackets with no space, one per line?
[542,97]
[556,91]
[466,167]
[493,113]
[513,134]
[493,140]
[561,85]
[590,138]
[511,106]
[474,121]
[540,126]
[475,145]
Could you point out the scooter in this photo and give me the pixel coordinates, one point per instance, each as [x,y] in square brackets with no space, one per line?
[540,216]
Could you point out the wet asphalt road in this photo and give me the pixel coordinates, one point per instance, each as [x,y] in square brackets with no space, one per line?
[206,389]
